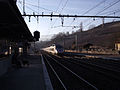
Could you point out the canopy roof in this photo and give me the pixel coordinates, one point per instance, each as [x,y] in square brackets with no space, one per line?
[12,24]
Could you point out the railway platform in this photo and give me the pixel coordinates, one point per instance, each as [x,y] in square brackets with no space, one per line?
[30,77]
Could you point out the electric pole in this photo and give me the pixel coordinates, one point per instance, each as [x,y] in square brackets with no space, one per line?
[81,27]
[103,21]
[76,42]
[23,7]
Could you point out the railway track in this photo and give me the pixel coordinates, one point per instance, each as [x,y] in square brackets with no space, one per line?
[100,77]
[112,64]
[67,79]
[98,68]
[110,69]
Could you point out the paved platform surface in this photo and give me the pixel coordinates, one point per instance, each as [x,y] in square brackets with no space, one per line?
[25,78]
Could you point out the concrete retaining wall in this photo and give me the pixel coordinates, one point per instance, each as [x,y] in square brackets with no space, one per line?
[5,64]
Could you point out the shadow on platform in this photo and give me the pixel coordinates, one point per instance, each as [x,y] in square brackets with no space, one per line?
[25,78]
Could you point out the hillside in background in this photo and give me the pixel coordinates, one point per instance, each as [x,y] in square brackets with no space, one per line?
[104,36]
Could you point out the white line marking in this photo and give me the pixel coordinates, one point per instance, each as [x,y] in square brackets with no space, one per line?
[57,76]
[46,76]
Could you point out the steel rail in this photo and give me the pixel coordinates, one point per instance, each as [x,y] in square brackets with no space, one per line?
[74,73]
[93,65]
[102,67]
[55,73]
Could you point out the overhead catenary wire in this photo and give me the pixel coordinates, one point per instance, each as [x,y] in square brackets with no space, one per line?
[107,7]
[29,8]
[60,12]
[117,11]
[63,16]
[85,12]
[45,8]
[58,6]
[99,12]
[70,15]
[94,7]
[112,4]
[36,6]
[32,9]
[88,11]
[111,12]
[55,11]
[64,6]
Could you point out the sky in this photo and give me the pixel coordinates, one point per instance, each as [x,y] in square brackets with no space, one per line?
[48,26]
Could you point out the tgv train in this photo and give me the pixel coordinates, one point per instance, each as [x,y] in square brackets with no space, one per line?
[54,49]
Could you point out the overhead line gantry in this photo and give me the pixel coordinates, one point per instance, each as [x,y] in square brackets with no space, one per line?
[74,16]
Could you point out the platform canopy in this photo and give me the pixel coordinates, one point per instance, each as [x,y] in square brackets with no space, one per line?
[12,24]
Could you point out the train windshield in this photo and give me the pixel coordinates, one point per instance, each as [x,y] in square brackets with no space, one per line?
[59,46]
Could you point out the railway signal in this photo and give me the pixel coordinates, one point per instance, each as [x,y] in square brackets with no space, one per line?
[36,35]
